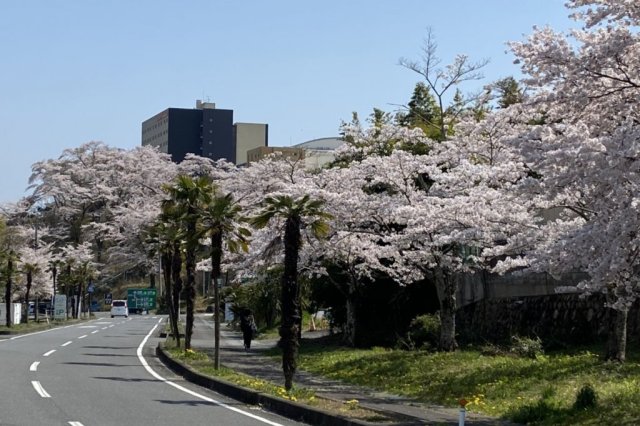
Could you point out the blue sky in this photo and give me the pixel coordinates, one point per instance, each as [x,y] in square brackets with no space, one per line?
[73,71]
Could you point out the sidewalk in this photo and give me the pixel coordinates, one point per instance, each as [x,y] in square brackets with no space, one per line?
[254,363]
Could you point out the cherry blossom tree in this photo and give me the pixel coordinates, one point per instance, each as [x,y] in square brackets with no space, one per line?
[434,214]
[584,148]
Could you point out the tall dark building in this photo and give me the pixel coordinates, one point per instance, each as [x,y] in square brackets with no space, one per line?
[205,131]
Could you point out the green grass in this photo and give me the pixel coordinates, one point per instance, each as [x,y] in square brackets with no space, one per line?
[533,391]
[200,362]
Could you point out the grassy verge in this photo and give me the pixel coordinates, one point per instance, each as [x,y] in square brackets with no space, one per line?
[539,390]
[200,362]
[33,326]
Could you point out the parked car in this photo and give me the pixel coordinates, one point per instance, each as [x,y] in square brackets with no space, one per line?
[119,308]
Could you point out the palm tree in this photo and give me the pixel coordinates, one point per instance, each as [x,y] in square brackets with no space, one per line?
[187,195]
[165,236]
[220,216]
[296,214]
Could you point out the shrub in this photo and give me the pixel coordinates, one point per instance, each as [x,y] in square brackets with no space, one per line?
[586,398]
[491,349]
[526,346]
[424,331]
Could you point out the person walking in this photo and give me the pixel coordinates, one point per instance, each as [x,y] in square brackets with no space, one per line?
[248,327]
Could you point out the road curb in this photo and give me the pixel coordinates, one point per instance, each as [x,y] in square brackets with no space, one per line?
[286,408]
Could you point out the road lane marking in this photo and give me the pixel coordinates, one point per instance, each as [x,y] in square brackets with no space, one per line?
[49,353]
[104,328]
[34,366]
[111,326]
[76,424]
[95,331]
[38,387]
[88,326]
[144,363]
[82,337]
[34,333]
[66,343]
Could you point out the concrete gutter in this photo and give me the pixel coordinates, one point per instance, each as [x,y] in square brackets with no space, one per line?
[283,407]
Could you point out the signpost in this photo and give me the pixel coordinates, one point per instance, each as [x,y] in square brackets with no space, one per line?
[108,297]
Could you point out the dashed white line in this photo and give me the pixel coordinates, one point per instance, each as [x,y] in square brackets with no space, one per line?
[34,366]
[111,326]
[82,337]
[66,343]
[76,424]
[95,331]
[104,328]
[38,387]
[49,353]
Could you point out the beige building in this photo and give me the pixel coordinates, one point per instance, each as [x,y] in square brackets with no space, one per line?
[249,136]
[259,153]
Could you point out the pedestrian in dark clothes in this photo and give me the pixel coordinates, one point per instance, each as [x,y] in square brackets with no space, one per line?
[248,327]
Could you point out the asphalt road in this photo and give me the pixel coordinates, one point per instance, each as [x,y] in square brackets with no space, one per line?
[104,372]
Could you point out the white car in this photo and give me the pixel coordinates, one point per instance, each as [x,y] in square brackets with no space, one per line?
[119,308]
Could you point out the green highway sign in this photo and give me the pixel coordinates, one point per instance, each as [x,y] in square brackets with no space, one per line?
[139,299]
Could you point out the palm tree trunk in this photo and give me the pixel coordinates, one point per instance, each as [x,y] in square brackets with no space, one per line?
[176,269]
[168,296]
[290,301]
[216,259]
[190,289]
[617,340]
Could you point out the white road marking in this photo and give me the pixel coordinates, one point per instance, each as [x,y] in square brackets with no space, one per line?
[34,366]
[66,343]
[82,337]
[111,326]
[76,424]
[95,331]
[144,363]
[34,333]
[88,326]
[154,317]
[49,353]
[104,328]
[38,387]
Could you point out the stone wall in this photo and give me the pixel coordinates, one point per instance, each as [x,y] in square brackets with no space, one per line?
[566,318]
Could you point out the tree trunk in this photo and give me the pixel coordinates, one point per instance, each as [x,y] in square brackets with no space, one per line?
[190,287]
[446,285]
[168,296]
[350,325]
[27,294]
[290,301]
[8,291]
[176,269]
[617,339]
[216,259]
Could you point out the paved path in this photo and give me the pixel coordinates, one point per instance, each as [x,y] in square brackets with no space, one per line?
[255,363]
